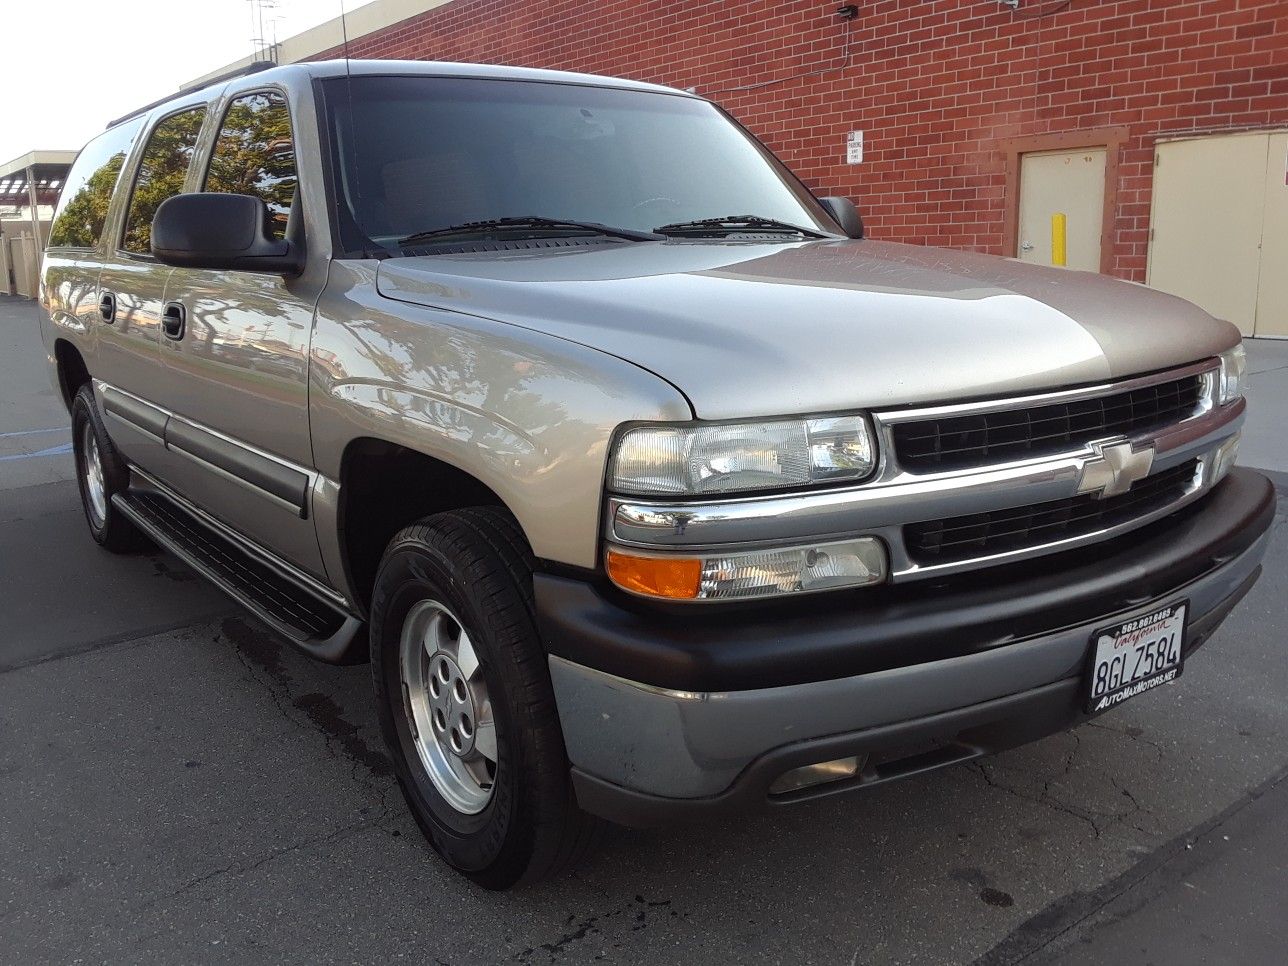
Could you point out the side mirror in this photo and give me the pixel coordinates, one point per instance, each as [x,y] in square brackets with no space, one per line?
[216,230]
[846,215]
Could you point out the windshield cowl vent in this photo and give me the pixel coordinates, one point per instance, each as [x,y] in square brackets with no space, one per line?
[507,245]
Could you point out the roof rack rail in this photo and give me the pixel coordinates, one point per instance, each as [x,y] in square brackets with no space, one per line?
[254,67]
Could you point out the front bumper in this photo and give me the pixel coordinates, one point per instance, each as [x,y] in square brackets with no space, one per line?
[674,714]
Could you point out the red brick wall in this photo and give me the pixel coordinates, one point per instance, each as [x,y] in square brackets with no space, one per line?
[935,85]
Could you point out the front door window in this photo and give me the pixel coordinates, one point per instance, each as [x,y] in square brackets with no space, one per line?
[254,156]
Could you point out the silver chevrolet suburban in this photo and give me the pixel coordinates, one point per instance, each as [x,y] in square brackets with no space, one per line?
[650,487]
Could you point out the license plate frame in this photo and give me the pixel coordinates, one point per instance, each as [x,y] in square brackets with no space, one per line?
[1137,642]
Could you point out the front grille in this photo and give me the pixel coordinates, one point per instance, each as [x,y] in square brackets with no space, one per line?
[977,439]
[1018,528]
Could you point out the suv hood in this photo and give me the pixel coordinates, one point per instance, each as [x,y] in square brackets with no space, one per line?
[750,329]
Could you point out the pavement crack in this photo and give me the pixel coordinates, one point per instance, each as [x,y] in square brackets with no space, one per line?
[1134,735]
[253,673]
[314,713]
[1051,924]
[1136,807]
[243,868]
[1044,797]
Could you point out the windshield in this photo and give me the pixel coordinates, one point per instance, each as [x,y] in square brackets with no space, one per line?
[416,154]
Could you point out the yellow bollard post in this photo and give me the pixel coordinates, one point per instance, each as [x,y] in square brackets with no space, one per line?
[1059,255]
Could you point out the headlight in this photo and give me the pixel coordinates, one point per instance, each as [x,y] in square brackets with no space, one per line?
[732,457]
[1234,369]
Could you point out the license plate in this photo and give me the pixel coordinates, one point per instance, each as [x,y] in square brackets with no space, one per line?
[1136,656]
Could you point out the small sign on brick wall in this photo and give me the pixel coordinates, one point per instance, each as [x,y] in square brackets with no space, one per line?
[854,147]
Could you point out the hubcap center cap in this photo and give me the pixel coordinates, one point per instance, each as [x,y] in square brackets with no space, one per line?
[451,705]
[447,706]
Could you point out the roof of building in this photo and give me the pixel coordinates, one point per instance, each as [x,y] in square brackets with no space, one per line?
[48,171]
[358,22]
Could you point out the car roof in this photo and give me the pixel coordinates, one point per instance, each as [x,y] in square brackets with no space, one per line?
[429,68]
[302,73]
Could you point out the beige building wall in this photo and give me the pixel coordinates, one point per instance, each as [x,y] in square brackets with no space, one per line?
[359,21]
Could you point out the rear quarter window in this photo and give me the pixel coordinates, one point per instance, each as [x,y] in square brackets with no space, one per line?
[82,206]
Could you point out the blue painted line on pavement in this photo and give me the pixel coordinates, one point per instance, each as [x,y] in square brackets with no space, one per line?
[61,450]
[35,432]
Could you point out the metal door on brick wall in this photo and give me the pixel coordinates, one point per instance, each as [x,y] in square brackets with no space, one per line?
[1062,198]
[1219,227]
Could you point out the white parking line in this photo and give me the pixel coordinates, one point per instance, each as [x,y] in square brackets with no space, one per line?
[60,450]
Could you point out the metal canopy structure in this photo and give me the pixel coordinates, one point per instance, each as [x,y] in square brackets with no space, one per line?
[32,180]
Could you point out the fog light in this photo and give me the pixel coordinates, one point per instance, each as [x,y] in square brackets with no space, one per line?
[819,774]
[1224,459]
[756,573]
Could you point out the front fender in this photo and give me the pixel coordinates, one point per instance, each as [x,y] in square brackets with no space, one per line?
[527,414]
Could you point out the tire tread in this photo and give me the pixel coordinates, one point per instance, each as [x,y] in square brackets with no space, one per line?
[492,556]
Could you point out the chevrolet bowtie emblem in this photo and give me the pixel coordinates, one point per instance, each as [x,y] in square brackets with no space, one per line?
[1113,469]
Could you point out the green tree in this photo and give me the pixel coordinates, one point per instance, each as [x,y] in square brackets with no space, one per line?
[161,174]
[253,155]
[81,221]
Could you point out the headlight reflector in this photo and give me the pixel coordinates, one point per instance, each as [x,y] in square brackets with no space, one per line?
[733,457]
[756,573]
[1234,369]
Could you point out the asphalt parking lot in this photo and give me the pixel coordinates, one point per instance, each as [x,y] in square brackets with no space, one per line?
[177,785]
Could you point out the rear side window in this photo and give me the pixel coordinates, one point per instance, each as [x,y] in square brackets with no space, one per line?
[82,206]
[254,155]
[162,169]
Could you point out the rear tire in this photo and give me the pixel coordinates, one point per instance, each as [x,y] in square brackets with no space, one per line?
[101,473]
[465,701]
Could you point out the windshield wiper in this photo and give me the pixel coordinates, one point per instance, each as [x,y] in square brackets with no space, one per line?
[715,227]
[528,223]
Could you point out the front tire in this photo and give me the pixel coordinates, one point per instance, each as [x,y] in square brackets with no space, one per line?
[465,701]
[101,473]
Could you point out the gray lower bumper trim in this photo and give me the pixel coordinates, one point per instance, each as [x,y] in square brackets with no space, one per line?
[694,744]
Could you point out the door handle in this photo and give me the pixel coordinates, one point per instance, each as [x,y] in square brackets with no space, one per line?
[107,307]
[173,317]
[1027,247]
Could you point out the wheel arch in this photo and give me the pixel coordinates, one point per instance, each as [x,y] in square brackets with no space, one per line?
[72,371]
[385,486]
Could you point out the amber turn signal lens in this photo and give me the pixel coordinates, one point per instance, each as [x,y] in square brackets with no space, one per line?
[675,578]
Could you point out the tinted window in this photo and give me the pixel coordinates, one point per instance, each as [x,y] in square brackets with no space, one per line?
[82,207]
[418,153]
[254,155]
[161,172]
